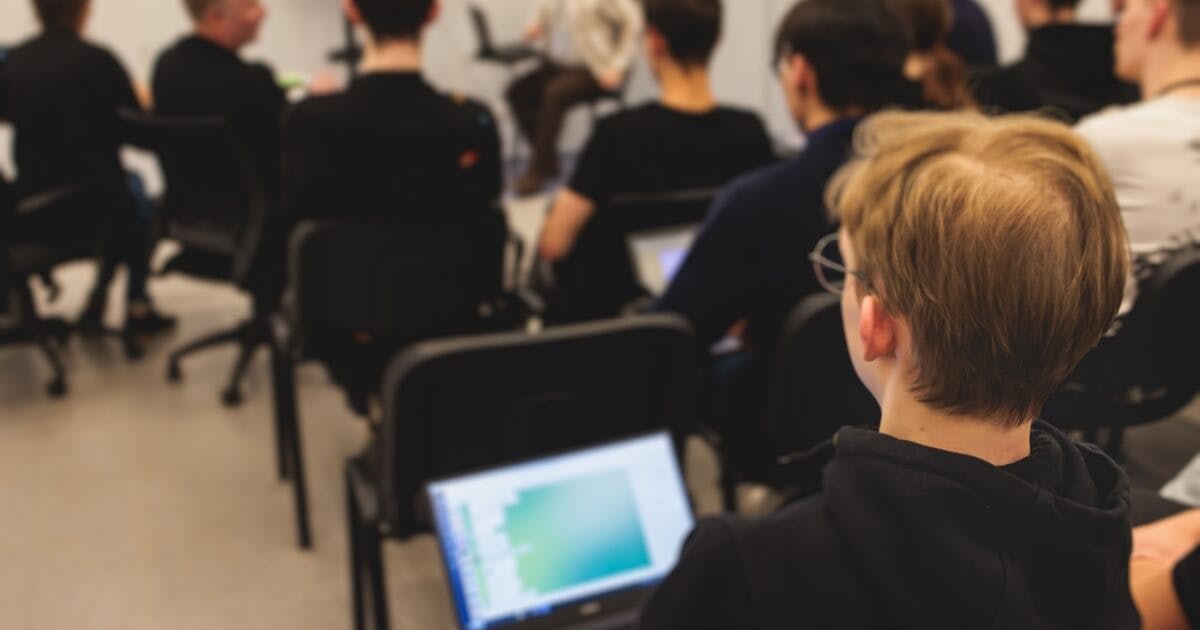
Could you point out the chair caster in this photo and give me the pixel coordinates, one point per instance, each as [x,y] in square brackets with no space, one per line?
[231,398]
[57,389]
[174,373]
[134,350]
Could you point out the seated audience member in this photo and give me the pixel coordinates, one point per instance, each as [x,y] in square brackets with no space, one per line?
[1165,572]
[390,144]
[202,75]
[590,46]
[979,260]
[1067,66]
[971,34]
[61,94]
[939,76]
[684,141]
[838,60]
[1150,148]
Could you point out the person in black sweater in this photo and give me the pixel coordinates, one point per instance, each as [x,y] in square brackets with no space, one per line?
[61,94]
[202,75]
[978,261]
[1068,67]
[971,34]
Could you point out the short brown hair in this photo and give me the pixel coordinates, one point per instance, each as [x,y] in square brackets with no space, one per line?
[1187,14]
[59,15]
[197,8]
[999,242]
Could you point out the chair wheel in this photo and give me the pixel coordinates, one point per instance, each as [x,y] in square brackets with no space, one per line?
[231,398]
[174,373]
[134,350]
[56,389]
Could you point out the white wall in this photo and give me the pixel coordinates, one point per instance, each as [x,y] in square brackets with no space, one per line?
[300,32]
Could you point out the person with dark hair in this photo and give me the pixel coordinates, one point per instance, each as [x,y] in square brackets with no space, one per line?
[971,34]
[202,75]
[939,76]
[590,46]
[1067,68]
[340,150]
[685,141]
[977,262]
[62,94]
[838,60]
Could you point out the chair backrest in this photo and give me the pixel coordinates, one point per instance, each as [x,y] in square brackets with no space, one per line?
[455,405]
[598,277]
[386,283]
[214,200]
[483,32]
[1146,370]
[66,224]
[813,389]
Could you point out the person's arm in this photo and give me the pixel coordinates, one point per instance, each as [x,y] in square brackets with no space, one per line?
[1164,572]
[705,590]
[628,14]
[538,24]
[570,213]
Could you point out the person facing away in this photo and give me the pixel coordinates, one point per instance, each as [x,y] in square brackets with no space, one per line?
[202,74]
[61,94]
[978,261]
[390,144]
[684,141]
[590,45]
[938,75]
[1067,66]
[971,34]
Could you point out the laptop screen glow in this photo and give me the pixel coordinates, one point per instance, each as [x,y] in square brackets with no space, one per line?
[520,541]
[658,255]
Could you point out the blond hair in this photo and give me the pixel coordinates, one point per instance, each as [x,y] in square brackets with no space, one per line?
[1000,243]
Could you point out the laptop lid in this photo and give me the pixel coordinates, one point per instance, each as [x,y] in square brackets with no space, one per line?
[564,538]
[658,254]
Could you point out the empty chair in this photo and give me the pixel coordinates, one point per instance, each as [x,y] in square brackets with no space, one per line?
[455,405]
[597,279]
[217,209]
[1145,371]
[506,55]
[361,290]
[812,392]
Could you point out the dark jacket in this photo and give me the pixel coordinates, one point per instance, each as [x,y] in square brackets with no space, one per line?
[1067,67]
[904,536]
[971,34]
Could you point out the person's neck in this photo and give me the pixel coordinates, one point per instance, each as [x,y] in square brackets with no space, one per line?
[1051,17]
[818,115]
[392,56]
[686,90]
[1179,66]
[214,36]
[991,439]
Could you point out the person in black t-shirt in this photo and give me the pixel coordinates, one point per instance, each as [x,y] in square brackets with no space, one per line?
[202,75]
[61,95]
[684,141]
[1067,66]
[390,144]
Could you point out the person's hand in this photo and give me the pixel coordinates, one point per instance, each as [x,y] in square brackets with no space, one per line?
[534,31]
[1169,540]
[611,80]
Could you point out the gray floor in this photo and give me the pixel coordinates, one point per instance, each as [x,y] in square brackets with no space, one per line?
[136,504]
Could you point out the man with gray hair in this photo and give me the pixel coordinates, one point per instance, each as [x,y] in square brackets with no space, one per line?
[203,75]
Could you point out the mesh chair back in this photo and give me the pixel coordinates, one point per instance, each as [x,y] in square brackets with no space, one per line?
[214,201]
[814,390]
[598,278]
[483,32]
[456,405]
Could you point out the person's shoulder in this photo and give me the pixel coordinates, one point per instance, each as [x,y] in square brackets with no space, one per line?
[323,111]
[739,115]
[1120,122]
[465,111]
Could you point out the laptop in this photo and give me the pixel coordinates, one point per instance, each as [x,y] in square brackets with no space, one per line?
[658,254]
[573,542]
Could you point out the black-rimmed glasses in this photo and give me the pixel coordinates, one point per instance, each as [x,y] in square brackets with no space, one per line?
[827,264]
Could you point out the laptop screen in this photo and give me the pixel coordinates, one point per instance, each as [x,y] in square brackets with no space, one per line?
[522,541]
[658,255]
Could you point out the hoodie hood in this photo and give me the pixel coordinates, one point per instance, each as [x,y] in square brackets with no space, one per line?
[1043,543]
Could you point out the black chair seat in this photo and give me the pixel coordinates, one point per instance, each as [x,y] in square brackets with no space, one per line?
[508,55]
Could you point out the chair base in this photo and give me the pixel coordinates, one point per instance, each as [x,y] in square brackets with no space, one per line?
[368,586]
[249,336]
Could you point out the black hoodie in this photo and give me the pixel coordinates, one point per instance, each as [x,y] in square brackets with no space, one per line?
[904,536]
[1067,68]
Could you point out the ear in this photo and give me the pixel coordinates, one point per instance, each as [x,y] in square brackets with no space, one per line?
[656,43]
[1159,17]
[350,8]
[435,9]
[877,329]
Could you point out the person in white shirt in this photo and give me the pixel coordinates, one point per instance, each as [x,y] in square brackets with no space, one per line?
[1152,149]
[589,46]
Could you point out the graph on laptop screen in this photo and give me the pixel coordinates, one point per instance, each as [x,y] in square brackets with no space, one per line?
[521,540]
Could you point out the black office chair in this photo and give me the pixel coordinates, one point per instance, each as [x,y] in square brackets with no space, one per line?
[361,290]
[455,405]
[812,392]
[506,55]
[217,209]
[1145,372]
[597,279]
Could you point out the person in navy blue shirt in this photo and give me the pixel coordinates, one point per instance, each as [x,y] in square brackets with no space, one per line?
[838,60]
[971,34]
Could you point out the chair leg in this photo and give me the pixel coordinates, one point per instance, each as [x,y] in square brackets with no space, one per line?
[293,447]
[229,336]
[373,553]
[232,396]
[57,387]
[354,526]
[281,373]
